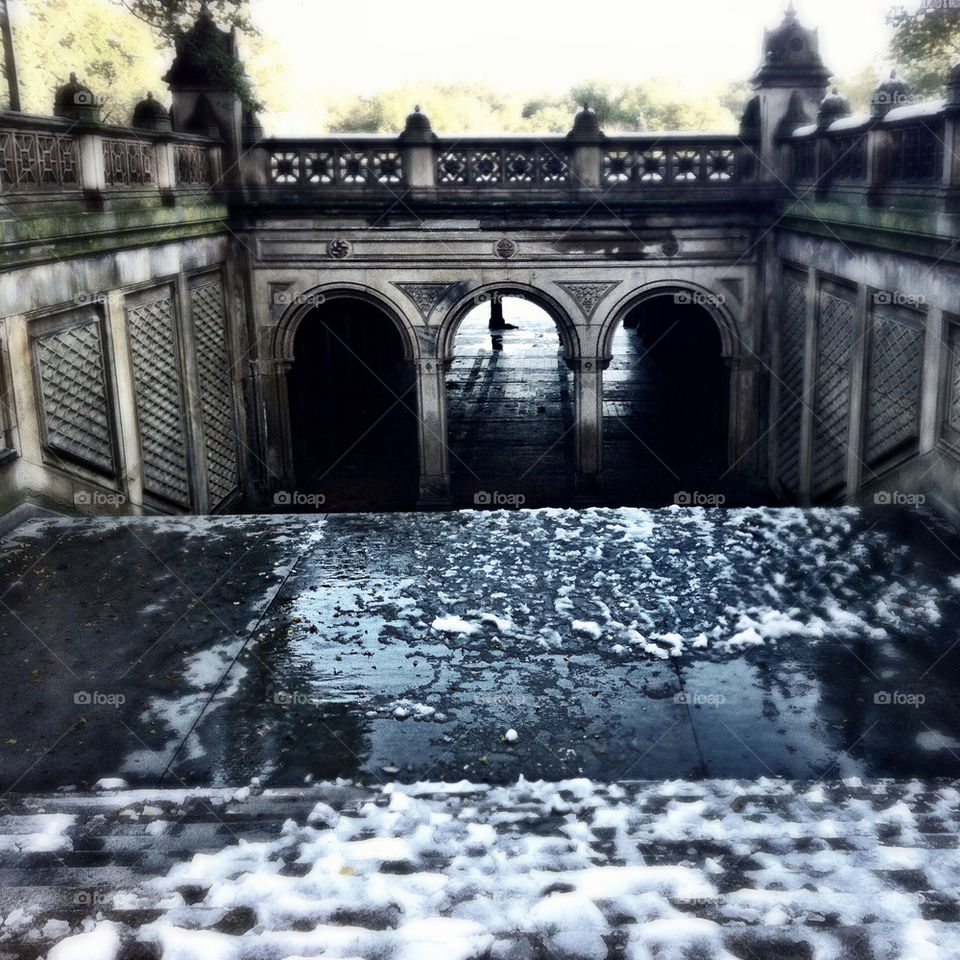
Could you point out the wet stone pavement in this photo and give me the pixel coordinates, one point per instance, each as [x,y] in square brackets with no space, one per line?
[623,644]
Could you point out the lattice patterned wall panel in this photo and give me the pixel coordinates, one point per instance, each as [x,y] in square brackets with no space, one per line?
[896,365]
[953,378]
[219,425]
[159,397]
[793,330]
[832,406]
[73,395]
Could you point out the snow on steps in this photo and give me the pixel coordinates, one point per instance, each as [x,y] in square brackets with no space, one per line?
[712,869]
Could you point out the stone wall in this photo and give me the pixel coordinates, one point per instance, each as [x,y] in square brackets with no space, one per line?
[866,392]
[121,380]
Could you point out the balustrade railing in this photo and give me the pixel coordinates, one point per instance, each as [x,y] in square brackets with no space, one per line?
[506,162]
[335,163]
[49,156]
[898,159]
[33,160]
[658,161]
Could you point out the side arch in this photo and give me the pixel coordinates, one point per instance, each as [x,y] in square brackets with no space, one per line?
[282,343]
[713,303]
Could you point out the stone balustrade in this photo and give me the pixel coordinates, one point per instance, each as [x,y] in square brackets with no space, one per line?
[625,163]
[900,160]
[41,156]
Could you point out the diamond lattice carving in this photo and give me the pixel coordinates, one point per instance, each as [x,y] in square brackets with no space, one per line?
[159,399]
[216,394]
[73,393]
[896,365]
[793,325]
[832,405]
[452,167]
[953,396]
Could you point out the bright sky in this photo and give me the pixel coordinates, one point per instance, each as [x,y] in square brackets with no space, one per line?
[376,44]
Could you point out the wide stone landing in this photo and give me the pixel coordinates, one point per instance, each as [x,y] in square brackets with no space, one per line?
[611,644]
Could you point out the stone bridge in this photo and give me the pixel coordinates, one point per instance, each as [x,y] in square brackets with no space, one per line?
[189,308]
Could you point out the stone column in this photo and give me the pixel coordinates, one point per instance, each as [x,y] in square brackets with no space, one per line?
[273,424]
[743,393]
[809,393]
[432,429]
[196,446]
[934,348]
[858,397]
[588,426]
[125,386]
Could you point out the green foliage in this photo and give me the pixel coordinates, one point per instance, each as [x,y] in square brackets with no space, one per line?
[110,51]
[925,46]
[171,18]
[455,108]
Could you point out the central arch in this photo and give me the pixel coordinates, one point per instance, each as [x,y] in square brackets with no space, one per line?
[509,399]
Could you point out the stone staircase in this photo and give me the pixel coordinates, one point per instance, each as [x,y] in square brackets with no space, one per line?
[758,870]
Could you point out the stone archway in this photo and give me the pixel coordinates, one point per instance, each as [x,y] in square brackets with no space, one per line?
[509,395]
[667,396]
[349,398]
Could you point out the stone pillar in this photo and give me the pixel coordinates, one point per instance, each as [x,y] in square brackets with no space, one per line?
[127,424]
[790,82]
[273,423]
[934,348]
[586,148]
[743,393]
[432,426]
[197,457]
[858,394]
[588,426]
[416,143]
[805,484]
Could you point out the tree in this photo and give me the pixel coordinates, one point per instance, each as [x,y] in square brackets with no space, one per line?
[110,51]
[925,46]
[172,18]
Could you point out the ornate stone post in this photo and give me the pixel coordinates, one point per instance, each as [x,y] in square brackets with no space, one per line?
[204,102]
[791,66]
[586,140]
[416,143]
